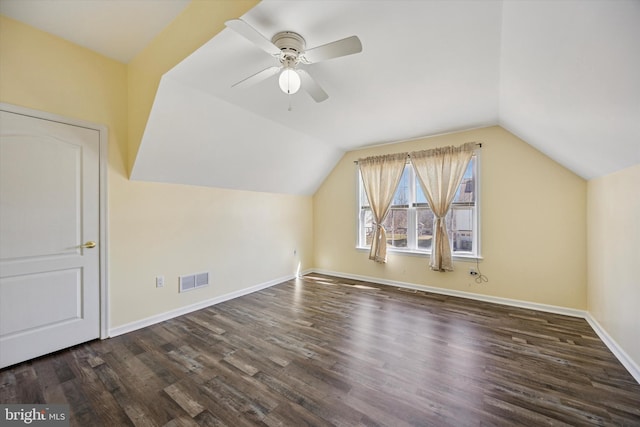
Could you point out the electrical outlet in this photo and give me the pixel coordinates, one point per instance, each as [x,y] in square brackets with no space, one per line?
[473,272]
[159,281]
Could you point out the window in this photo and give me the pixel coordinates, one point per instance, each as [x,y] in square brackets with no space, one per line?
[409,224]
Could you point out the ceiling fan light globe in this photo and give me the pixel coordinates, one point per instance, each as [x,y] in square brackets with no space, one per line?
[289,81]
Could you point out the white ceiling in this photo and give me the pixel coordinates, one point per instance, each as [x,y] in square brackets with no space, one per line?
[562,75]
[570,81]
[118,29]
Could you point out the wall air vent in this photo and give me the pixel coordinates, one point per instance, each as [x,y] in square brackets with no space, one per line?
[202,279]
[193,281]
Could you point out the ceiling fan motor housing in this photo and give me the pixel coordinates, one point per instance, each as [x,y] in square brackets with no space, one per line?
[291,45]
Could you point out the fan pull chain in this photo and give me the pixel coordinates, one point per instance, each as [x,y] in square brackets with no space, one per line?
[289,109]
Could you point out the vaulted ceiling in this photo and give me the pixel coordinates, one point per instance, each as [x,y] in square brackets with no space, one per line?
[561,75]
[118,29]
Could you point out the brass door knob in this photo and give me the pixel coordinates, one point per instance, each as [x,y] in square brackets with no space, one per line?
[90,244]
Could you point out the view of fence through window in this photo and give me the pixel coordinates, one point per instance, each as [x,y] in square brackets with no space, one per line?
[409,224]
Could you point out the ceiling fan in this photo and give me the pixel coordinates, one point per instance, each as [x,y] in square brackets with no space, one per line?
[290,50]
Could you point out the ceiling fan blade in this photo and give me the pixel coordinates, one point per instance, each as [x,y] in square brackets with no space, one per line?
[251,34]
[257,77]
[335,49]
[310,86]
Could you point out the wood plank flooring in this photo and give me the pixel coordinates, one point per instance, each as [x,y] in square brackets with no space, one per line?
[324,351]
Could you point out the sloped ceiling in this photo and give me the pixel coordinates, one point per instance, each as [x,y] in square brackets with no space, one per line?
[562,75]
[570,81]
[118,29]
[416,75]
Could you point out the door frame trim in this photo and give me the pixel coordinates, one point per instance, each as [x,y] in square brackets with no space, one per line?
[103,199]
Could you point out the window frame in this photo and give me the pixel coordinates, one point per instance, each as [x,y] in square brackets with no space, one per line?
[412,216]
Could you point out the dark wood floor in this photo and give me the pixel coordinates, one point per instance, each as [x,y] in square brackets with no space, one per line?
[326,351]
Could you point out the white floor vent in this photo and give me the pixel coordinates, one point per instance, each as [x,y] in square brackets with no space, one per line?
[193,281]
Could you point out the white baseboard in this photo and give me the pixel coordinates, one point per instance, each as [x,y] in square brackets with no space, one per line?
[469,295]
[152,320]
[617,351]
[622,356]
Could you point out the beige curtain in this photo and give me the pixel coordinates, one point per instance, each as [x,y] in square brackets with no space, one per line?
[440,171]
[380,176]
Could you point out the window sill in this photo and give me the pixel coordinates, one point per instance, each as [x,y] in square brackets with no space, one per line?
[408,252]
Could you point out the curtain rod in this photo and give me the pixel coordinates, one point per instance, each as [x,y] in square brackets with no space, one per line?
[478,144]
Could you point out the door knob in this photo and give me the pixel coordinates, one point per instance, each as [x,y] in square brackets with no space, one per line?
[90,244]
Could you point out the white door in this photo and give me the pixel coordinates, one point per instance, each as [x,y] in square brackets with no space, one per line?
[49,230]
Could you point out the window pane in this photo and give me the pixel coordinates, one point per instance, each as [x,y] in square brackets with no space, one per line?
[466,190]
[401,196]
[366,222]
[425,228]
[420,197]
[396,227]
[460,227]
[364,200]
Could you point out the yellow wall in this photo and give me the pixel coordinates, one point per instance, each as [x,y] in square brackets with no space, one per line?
[47,73]
[614,257]
[241,238]
[533,225]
